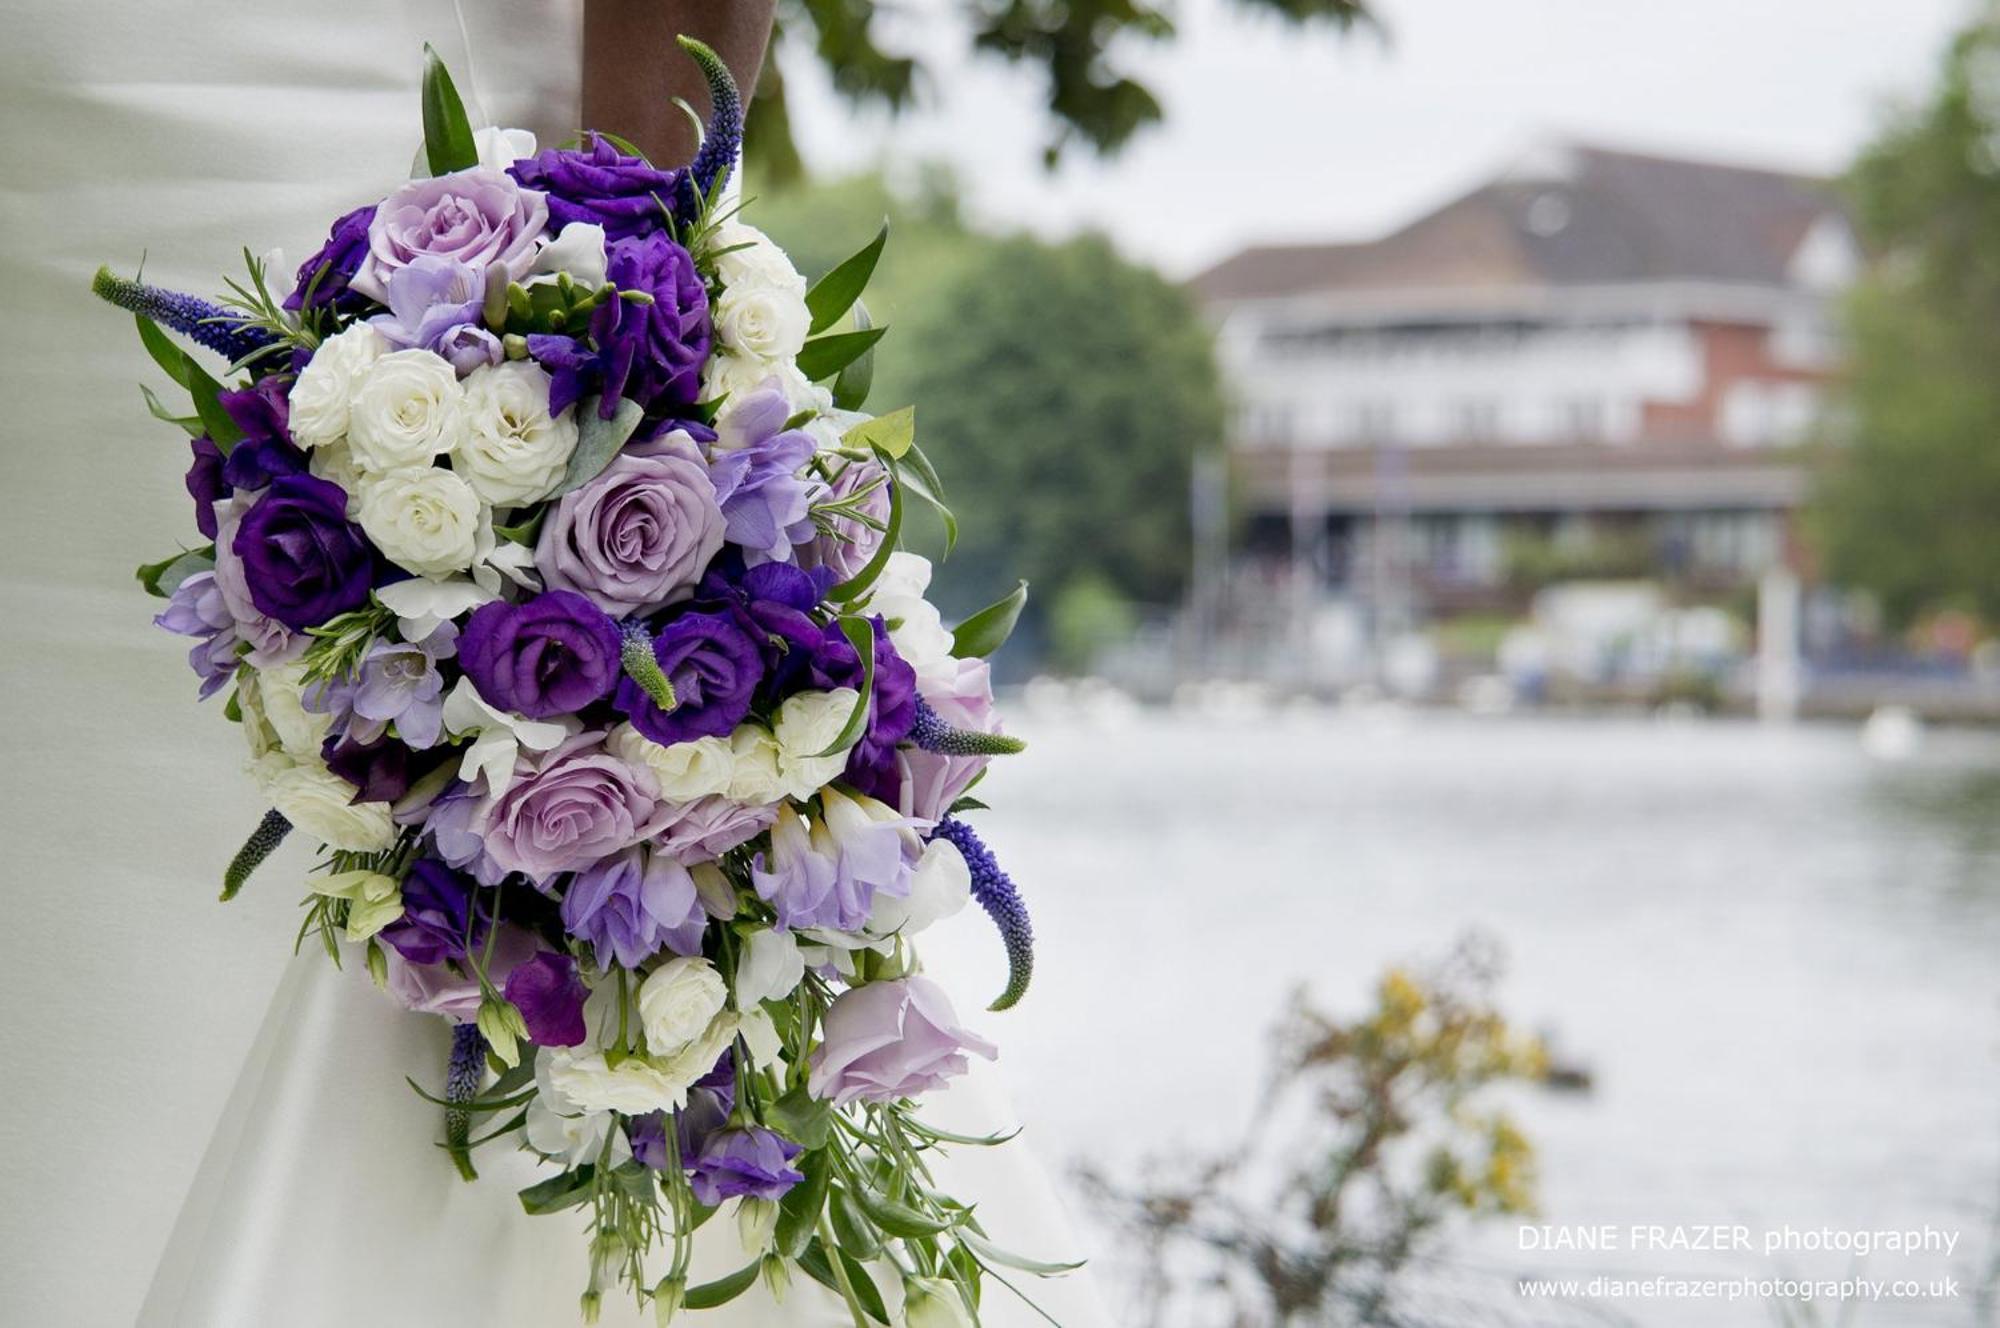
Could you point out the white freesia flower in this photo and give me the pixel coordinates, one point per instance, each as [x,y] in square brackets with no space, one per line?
[320,399]
[512,451]
[760,1038]
[917,631]
[579,251]
[762,322]
[408,410]
[634,1086]
[678,1001]
[500,737]
[560,1129]
[940,885]
[280,700]
[754,780]
[321,803]
[770,968]
[807,724]
[688,770]
[374,900]
[426,520]
[501,148]
[422,605]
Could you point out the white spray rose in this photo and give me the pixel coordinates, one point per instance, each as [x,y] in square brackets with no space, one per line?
[754,780]
[919,634]
[424,519]
[751,259]
[512,451]
[769,969]
[321,803]
[319,400]
[736,376]
[408,410]
[678,1001]
[688,770]
[807,725]
[762,322]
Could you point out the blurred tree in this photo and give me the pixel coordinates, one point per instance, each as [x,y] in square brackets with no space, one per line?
[1087,616]
[1905,506]
[1071,43]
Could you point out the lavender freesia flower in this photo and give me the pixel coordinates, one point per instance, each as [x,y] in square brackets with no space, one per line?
[345,249]
[631,905]
[197,609]
[827,872]
[435,305]
[438,921]
[567,808]
[625,195]
[303,560]
[714,666]
[549,655]
[891,1040]
[398,682]
[755,465]
[549,993]
[751,1162]
[451,990]
[479,217]
[635,538]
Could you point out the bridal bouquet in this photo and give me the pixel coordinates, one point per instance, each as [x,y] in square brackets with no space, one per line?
[552,574]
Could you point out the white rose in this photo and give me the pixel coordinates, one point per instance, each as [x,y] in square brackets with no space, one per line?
[634,1086]
[424,519]
[408,410]
[319,400]
[939,887]
[678,1002]
[753,777]
[753,260]
[511,450]
[807,725]
[919,634]
[770,968]
[320,803]
[762,322]
[685,770]
[281,702]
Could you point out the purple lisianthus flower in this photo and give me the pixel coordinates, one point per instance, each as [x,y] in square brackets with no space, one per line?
[775,604]
[398,682]
[630,905]
[846,548]
[752,1162]
[380,769]
[709,1103]
[342,255]
[303,560]
[479,217]
[766,504]
[197,609]
[567,808]
[205,482]
[707,828]
[827,875]
[625,195]
[438,921]
[714,666]
[434,305]
[637,537]
[550,655]
[652,353]
[549,993]
[890,1040]
[266,450]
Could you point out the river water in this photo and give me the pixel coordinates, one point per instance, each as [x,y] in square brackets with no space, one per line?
[1773,953]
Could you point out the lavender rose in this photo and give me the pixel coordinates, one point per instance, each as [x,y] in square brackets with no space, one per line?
[569,807]
[714,666]
[551,655]
[753,1162]
[635,538]
[479,217]
[891,1040]
[303,560]
[631,905]
[846,548]
[625,195]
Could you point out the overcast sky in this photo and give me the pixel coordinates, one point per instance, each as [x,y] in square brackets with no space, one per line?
[1272,134]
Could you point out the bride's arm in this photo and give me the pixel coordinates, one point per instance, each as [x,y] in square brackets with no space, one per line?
[632,71]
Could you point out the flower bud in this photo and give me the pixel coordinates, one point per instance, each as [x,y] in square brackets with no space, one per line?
[756,1222]
[932,1302]
[668,1297]
[777,1275]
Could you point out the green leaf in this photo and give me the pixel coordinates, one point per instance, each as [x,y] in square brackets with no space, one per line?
[914,469]
[987,1250]
[801,1117]
[850,1229]
[158,410]
[850,390]
[597,441]
[162,348]
[165,576]
[722,1290]
[207,394]
[987,630]
[835,293]
[823,357]
[860,634]
[864,1287]
[798,1211]
[857,585]
[568,1190]
[966,805]
[524,532]
[893,433]
[896,1218]
[448,142]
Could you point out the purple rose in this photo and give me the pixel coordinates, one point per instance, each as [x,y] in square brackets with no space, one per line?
[345,249]
[766,504]
[437,922]
[549,993]
[630,905]
[479,217]
[753,1162]
[598,184]
[714,666]
[636,537]
[652,353]
[846,548]
[303,560]
[567,808]
[551,655]
[205,483]
[890,1040]
[707,828]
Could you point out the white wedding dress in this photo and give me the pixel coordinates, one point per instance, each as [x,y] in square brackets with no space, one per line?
[176,1144]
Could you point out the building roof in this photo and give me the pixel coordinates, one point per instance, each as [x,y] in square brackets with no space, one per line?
[1568,215]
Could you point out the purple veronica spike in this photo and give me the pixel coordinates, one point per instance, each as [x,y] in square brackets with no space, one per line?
[995,891]
[931,733]
[723,138]
[461,1085]
[209,324]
